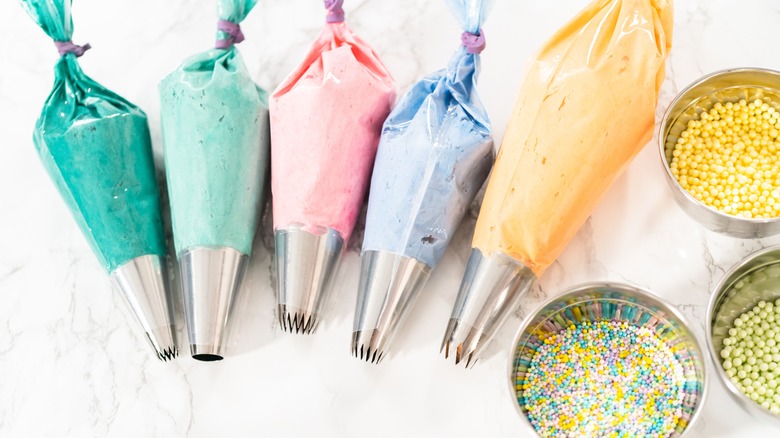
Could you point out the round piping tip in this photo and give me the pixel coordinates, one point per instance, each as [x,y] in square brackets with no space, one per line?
[210,281]
[206,353]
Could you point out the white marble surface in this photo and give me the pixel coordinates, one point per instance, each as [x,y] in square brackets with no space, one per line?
[72,362]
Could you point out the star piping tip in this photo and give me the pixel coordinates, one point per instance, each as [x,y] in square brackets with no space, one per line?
[297,322]
[167,354]
[371,352]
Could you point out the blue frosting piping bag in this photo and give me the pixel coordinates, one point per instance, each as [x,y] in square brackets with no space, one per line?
[435,153]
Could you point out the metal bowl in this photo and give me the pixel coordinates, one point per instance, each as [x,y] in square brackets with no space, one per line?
[587,302]
[722,86]
[727,303]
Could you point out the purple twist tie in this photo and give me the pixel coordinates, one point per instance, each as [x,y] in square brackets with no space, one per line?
[335,11]
[234,32]
[474,43]
[65,47]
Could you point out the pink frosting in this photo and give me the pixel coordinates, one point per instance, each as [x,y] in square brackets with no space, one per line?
[326,118]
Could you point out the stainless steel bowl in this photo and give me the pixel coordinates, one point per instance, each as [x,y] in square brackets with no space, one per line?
[586,302]
[727,303]
[723,86]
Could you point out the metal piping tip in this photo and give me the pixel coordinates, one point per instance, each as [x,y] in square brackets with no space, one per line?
[466,350]
[490,291]
[142,283]
[163,343]
[367,345]
[210,280]
[305,266]
[294,322]
[389,286]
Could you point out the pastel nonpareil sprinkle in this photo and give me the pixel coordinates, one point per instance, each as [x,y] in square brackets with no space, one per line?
[604,378]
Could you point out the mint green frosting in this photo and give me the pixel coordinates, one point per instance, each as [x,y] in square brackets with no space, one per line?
[96,147]
[216,141]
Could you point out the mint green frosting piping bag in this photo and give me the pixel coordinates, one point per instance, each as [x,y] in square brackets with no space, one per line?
[216,142]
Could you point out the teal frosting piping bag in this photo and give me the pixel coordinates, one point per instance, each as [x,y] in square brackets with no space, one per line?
[96,147]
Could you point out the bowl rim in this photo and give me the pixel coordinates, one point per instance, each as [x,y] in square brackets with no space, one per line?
[716,293]
[662,141]
[619,286]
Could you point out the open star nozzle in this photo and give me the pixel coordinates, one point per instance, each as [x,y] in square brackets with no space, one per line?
[490,291]
[305,265]
[142,282]
[210,280]
[389,286]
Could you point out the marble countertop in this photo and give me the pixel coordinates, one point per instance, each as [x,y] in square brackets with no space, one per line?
[73,363]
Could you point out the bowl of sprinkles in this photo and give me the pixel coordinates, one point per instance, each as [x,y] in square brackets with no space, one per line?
[607,360]
[720,145]
[743,334]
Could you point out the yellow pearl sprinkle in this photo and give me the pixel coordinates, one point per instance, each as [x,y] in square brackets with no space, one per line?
[727,158]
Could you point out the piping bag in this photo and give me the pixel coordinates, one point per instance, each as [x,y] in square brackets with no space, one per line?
[215,138]
[585,109]
[434,155]
[96,148]
[326,117]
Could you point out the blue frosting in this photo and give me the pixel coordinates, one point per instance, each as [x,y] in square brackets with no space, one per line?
[435,153]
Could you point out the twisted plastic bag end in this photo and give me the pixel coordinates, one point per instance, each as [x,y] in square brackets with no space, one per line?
[65,47]
[474,43]
[233,30]
[335,11]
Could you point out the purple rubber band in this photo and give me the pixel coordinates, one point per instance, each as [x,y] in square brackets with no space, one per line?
[233,30]
[65,47]
[474,43]
[335,11]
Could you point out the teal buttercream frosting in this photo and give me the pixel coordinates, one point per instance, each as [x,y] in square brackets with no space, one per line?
[96,147]
[216,141]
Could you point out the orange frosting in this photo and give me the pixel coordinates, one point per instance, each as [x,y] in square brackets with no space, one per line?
[585,110]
